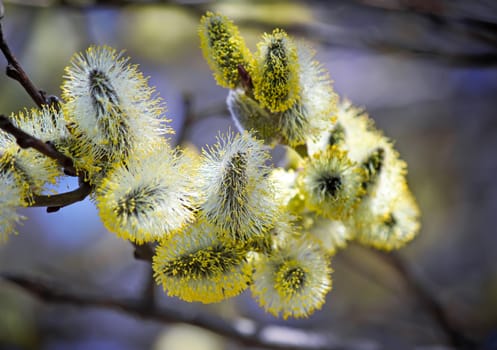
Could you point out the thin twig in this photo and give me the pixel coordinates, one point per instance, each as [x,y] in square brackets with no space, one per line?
[243,331]
[15,71]
[476,29]
[144,251]
[57,201]
[149,287]
[188,119]
[25,140]
[455,336]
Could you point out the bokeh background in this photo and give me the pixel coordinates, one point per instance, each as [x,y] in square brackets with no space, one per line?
[426,71]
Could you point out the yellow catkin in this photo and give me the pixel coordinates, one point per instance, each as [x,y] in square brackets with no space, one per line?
[195,265]
[276,72]
[110,111]
[239,195]
[294,280]
[331,183]
[223,48]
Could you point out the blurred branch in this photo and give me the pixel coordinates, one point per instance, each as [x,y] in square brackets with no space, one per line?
[242,331]
[15,71]
[431,303]
[77,4]
[188,119]
[436,12]
[413,13]
[190,116]
[323,34]
[144,251]
[149,286]
[217,109]
[458,59]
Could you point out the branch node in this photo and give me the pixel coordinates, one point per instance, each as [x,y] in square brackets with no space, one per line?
[12,72]
[53,101]
[53,209]
[69,172]
[144,252]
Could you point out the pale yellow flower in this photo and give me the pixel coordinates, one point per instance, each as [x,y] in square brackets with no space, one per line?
[389,219]
[110,110]
[151,197]
[240,199]
[10,200]
[314,109]
[32,170]
[195,265]
[332,235]
[331,183]
[293,281]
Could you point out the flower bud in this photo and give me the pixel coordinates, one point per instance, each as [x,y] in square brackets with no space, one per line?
[223,48]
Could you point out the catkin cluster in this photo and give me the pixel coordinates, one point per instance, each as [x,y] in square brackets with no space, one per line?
[222,220]
[344,180]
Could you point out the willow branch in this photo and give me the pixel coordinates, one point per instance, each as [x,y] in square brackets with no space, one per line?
[15,71]
[144,251]
[57,201]
[243,331]
[431,303]
[25,140]
[478,29]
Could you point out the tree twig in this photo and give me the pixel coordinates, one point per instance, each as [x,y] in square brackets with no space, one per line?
[243,331]
[57,201]
[25,140]
[479,30]
[15,71]
[431,303]
[149,287]
[144,251]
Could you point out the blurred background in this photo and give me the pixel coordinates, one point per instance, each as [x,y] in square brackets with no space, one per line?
[426,71]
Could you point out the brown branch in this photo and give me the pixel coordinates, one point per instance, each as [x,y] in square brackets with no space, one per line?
[109,3]
[217,109]
[480,30]
[188,119]
[148,294]
[326,36]
[24,140]
[431,303]
[144,251]
[243,331]
[57,201]
[15,71]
